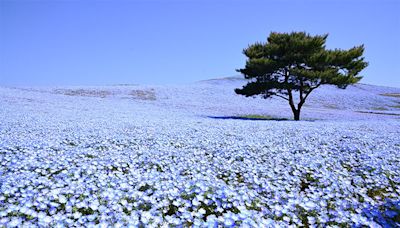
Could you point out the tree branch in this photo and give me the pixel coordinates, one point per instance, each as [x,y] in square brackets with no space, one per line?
[301,89]
[311,89]
[281,96]
[290,93]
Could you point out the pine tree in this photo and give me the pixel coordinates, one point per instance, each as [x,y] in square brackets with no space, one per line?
[292,65]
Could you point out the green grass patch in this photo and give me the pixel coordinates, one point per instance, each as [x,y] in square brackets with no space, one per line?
[256,116]
[331,106]
[391,95]
[377,192]
[379,113]
[380,108]
[260,117]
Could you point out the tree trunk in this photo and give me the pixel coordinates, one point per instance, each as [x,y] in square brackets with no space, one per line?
[296,114]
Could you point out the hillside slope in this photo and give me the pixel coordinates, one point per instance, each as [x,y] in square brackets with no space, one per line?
[171,156]
[216,97]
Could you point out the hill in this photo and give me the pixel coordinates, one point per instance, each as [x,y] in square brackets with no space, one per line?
[216,97]
[184,155]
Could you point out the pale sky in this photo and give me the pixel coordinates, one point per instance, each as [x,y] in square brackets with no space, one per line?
[169,42]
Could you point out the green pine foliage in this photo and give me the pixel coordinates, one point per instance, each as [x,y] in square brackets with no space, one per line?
[294,64]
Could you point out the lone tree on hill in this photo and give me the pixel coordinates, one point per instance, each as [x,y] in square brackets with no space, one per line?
[291,63]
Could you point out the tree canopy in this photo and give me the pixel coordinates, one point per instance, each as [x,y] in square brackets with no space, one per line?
[292,65]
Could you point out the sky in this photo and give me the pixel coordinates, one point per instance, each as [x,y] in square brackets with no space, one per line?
[180,41]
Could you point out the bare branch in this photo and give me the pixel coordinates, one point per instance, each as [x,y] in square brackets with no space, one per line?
[281,96]
[311,89]
[301,89]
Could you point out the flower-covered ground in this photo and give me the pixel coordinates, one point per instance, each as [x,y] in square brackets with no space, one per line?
[151,156]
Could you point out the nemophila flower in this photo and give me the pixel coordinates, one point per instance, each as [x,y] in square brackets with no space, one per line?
[62,199]
[47,219]
[310,205]
[103,224]
[15,222]
[113,173]
[77,215]
[195,202]
[229,222]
